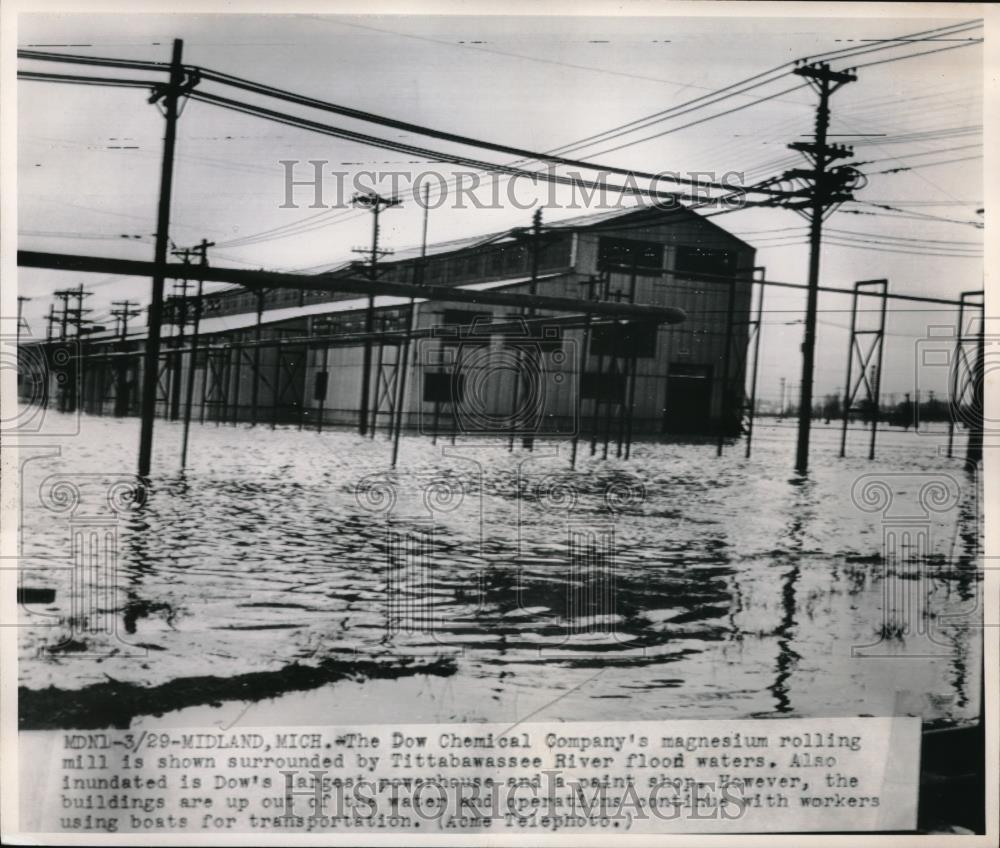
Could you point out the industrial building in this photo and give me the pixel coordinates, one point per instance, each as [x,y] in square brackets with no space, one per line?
[285,356]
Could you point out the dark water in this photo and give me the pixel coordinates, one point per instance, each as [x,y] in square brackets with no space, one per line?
[675,585]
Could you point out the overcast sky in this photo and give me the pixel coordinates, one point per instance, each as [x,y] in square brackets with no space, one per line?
[89,158]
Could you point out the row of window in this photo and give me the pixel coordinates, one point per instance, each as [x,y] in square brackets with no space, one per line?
[614,254]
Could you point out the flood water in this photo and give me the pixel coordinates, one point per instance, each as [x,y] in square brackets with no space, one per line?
[674,585]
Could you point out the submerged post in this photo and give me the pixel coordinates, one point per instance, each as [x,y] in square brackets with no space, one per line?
[401,383]
[189,394]
[255,386]
[974,447]
[756,358]
[727,368]
[869,357]
[959,375]
[170,94]
[877,382]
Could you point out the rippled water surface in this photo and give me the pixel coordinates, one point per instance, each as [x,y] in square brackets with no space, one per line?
[674,585]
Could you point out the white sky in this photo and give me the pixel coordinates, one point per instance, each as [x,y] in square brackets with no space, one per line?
[536,83]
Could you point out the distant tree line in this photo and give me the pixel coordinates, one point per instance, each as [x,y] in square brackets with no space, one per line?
[903,414]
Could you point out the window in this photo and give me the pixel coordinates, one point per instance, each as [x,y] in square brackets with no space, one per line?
[618,253]
[705,260]
[464,317]
[515,258]
[603,387]
[319,387]
[466,326]
[494,262]
[443,387]
[637,340]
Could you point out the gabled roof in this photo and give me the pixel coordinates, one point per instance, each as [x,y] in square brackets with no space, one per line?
[577,222]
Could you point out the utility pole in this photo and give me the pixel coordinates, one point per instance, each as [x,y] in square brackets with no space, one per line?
[64,295]
[20,313]
[527,440]
[178,85]
[828,187]
[376,203]
[202,250]
[781,406]
[51,319]
[261,297]
[71,316]
[410,321]
[122,311]
[179,318]
[79,381]
[75,314]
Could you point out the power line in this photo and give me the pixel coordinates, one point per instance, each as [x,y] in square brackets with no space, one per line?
[844,242]
[110,82]
[478,48]
[924,165]
[327,129]
[358,114]
[736,109]
[703,120]
[294,228]
[908,213]
[935,134]
[921,153]
[968,43]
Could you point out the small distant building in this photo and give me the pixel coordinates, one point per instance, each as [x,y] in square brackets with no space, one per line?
[297,356]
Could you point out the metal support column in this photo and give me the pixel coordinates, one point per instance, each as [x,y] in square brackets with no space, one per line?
[579,395]
[255,386]
[959,376]
[758,330]
[727,368]
[868,355]
[401,383]
[194,358]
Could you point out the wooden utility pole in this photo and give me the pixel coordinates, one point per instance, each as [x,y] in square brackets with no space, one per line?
[376,203]
[64,295]
[178,85]
[20,312]
[202,251]
[124,309]
[827,187]
[261,296]
[179,319]
[528,440]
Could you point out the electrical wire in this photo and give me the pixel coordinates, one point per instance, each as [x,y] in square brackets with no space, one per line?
[924,165]
[288,96]
[909,213]
[969,43]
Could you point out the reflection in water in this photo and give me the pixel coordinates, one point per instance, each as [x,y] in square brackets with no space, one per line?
[662,571]
[786,655]
[801,510]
